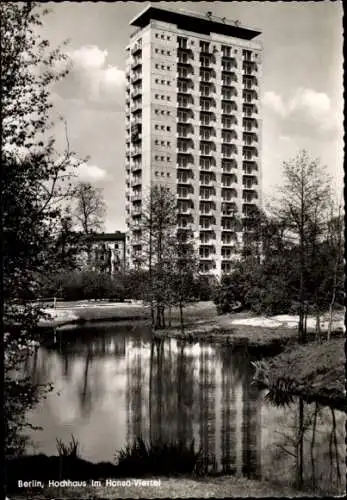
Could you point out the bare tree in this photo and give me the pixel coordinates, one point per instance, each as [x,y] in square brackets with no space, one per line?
[169,259]
[90,208]
[336,244]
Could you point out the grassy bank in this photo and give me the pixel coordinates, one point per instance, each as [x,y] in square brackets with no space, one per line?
[315,371]
[221,487]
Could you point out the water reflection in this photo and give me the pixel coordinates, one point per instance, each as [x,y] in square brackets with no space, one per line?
[115,384]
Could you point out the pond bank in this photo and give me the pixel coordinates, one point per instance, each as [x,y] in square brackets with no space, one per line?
[270,333]
[315,371]
[179,487]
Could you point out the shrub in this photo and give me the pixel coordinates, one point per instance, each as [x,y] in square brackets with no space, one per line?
[157,458]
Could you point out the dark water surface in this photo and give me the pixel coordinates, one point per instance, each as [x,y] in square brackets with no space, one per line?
[113,384]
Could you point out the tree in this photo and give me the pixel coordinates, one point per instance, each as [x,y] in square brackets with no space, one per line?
[303,205]
[35,182]
[90,208]
[168,258]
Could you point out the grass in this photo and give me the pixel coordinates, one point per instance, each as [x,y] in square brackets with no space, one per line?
[68,451]
[221,487]
[158,459]
[316,371]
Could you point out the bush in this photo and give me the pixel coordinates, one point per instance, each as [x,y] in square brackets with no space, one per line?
[157,458]
[83,285]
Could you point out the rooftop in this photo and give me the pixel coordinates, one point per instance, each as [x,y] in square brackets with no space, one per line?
[116,236]
[194,21]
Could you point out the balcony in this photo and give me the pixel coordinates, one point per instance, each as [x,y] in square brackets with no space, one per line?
[184,76]
[137,167]
[184,195]
[228,155]
[136,64]
[249,152]
[184,59]
[136,182]
[136,108]
[249,67]
[136,197]
[249,95]
[249,166]
[136,49]
[137,92]
[229,60]
[136,78]
[136,152]
[184,180]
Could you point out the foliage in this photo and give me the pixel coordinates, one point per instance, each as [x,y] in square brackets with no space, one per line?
[35,184]
[84,285]
[157,458]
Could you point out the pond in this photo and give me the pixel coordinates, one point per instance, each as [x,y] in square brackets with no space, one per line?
[113,384]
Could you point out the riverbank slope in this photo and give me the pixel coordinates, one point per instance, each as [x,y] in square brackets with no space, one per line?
[315,371]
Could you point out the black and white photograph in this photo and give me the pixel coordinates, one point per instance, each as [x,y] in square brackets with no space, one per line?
[172,204]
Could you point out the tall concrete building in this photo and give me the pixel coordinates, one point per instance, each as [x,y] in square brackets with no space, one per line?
[193,123]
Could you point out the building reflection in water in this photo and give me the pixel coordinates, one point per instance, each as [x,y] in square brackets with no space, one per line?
[184,392]
[171,390]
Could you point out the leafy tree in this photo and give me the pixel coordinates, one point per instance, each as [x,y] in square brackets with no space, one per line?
[35,183]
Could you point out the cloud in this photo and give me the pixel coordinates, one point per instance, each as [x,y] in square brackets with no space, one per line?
[91,79]
[90,173]
[274,102]
[306,113]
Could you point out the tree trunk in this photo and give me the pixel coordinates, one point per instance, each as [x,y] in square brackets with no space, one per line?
[318,331]
[170,315]
[300,446]
[181,316]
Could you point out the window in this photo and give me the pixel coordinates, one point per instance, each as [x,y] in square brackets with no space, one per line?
[168,38]
[162,97]
[156,96]
[157,66]
[156,35]
[168,174]
[161,112]
[168,158]
[156,127]
[168,129]
[169,83]
[156,80]
[162,158]
[162,174]
[168,98]
[162,66]
[162,52]
[168,113]
[156,141]
[168,53]
[168,143]
[162,82]
[162,127]
[168,68]
[157,173]
[163,143]
[156,51]
[156,158]
[162,37]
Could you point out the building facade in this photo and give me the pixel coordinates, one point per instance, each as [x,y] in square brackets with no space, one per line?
[193,123]
[105,252]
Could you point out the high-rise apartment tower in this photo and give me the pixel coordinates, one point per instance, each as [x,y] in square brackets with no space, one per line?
[193,123]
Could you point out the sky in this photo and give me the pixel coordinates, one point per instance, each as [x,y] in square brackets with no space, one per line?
[302,88]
